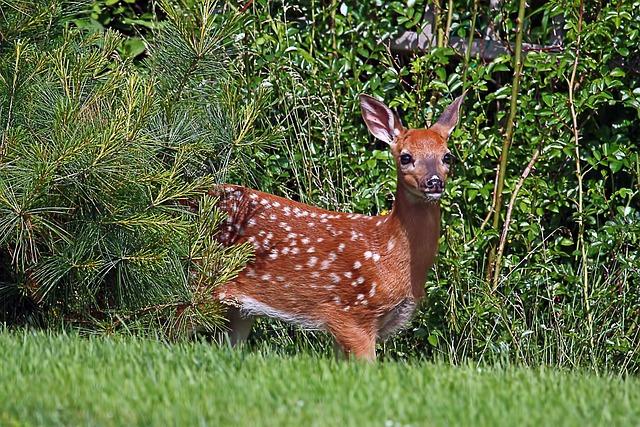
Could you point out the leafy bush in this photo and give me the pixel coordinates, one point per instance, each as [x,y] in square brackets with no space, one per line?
[551,302]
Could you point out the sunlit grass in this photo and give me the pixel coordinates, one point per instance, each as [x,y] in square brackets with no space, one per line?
[70,380]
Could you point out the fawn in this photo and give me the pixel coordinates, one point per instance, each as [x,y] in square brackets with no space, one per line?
[358,277]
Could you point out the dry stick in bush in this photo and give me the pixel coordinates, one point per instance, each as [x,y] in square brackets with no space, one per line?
[447,28]
[467,54]
[507,221]
[576,140]
[508,137]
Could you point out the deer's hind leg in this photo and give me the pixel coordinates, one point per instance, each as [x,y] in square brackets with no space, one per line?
[239,326]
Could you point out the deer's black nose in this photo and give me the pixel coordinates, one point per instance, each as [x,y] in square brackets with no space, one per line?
[434,185]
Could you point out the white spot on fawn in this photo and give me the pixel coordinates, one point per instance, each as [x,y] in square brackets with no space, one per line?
[266,277]
[357,265]
[251,222]
[334,278]
[332,256]
[292,235]
[305,241]
[368,255]
[376,257]
[360,297]
[298,267]
[253,196]
[273,254]
[315,274]
[276,204]
[311,250]
[319,240]
[295,251]
[280,278]
[391,244]
[251,272]
[360,280]
[312,261]
[347,274]
[372,291]
[286,210]
[254,242]
[341,247]
[325,264]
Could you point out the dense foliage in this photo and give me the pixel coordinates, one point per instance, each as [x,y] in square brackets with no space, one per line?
[566,293]
[98,158]
[547,274]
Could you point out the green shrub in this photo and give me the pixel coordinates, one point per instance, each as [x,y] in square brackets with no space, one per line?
[98,159]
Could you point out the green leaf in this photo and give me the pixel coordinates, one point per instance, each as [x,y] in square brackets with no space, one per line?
[433,339]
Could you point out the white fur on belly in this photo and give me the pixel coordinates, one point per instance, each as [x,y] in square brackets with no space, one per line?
[252,307]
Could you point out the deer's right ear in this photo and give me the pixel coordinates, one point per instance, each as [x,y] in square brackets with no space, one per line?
[381,121]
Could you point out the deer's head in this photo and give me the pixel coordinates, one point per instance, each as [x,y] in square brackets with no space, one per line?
[422,157]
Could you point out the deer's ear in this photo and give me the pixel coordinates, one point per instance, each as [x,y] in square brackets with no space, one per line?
[449,118]
[381,121]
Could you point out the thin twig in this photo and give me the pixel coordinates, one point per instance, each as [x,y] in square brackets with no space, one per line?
[576,141]
[467,54]
[508,136]
[447,28]
[491,208]
[507,221]
[246,6]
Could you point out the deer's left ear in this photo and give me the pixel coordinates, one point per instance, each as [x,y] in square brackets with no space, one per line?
[381,121]
[448,119]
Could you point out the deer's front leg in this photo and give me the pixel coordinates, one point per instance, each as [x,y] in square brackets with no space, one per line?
[354,340]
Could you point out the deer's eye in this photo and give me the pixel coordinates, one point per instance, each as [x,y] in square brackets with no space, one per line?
[405,159]
[448,159]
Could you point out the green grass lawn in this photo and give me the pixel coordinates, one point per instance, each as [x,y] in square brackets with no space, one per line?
[69,380]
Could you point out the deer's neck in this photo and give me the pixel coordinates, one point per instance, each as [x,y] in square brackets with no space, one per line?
[417,225]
